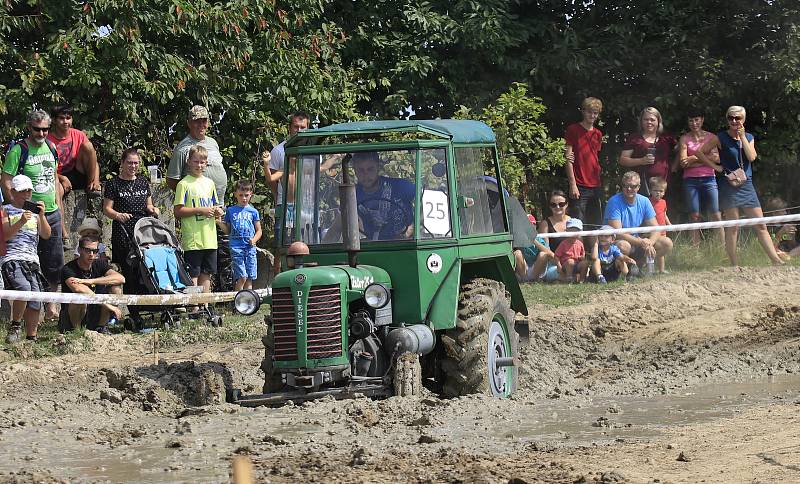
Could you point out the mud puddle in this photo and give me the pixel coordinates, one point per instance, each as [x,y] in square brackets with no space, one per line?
[643,418]
[197,449]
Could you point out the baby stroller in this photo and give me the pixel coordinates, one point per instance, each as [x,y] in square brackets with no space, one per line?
[156,257]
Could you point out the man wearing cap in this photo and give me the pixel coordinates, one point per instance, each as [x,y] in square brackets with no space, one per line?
[23,224]
[40,166]
[198,127]
[628,209]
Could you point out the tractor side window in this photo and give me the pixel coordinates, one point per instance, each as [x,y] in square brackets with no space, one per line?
[435,216]
[480,208]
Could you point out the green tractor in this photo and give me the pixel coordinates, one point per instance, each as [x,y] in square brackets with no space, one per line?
[397,249]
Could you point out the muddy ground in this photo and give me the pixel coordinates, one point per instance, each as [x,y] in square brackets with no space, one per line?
[684,378]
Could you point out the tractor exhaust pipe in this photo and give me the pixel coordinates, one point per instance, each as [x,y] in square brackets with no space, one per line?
[347,196]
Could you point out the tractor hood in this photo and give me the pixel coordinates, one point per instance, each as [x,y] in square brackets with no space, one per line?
[354,278]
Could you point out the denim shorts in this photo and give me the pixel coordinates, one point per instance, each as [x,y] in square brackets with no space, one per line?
[243,261]
[742,197]
[703,188]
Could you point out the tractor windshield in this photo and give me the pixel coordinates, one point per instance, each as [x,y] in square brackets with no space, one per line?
[386,192]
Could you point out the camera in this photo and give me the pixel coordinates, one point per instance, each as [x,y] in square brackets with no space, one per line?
[31,207]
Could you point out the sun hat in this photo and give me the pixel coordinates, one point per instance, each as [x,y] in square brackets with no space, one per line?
[21,183]
[89,223]
[574,223]
[198,112]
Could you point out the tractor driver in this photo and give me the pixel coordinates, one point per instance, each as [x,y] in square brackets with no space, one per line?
[385,204]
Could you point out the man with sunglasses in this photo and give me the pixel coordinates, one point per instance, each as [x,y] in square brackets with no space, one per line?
[40,166]
[88,274]
[628,209]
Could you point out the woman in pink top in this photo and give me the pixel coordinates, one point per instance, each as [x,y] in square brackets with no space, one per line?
[699,180]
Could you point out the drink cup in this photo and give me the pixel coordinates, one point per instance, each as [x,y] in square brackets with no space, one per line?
[153,169]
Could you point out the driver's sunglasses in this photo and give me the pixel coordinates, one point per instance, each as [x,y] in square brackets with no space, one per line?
[90,250]
[558,204]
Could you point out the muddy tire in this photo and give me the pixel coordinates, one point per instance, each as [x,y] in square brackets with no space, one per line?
[407,376]
[483,341]
[272,382]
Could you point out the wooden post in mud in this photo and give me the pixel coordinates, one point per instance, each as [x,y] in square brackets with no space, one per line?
[242,470]
[155,347]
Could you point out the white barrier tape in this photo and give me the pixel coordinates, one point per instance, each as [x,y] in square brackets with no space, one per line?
[677,227]
[125,299]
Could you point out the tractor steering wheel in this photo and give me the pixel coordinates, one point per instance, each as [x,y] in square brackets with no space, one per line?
[395,216]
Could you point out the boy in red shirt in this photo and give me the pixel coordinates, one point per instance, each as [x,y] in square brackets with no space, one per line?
[658,186]
[571,255]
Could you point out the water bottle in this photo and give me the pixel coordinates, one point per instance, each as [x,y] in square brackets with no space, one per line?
[651,265]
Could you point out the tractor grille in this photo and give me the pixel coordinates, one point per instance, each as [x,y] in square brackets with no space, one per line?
[323,323]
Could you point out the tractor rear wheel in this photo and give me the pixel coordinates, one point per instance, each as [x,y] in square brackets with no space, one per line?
[481,349]
[272,381]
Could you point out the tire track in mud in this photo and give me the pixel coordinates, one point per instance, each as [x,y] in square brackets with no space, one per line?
[667,333]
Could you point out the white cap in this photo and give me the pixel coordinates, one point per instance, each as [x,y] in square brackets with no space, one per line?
[21,183]
[574,223]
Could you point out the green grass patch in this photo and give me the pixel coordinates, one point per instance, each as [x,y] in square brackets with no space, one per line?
[235,329]
[559,295]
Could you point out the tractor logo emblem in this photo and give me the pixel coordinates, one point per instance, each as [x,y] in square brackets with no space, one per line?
[434,263]
[300,278]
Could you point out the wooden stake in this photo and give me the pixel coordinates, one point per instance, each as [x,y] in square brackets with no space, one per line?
[155,347]
[242,470]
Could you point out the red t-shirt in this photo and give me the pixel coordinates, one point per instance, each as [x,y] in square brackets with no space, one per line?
[570,249]
[586,146]
[664,145]
[661,212]
[68,148]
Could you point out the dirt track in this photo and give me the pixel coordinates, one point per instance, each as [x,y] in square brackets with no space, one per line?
[683,378]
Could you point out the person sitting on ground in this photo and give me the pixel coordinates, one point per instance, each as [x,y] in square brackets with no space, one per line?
[658,187]
[243,224]
[628,209]
[536,263]
[571,255]
[610,262]
[787,238]
[20,264]
[557,221]
[89,275]
[91,227]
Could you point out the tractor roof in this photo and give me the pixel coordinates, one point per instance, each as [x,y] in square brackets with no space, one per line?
[456,130]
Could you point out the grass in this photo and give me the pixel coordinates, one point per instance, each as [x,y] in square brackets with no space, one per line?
[684,258]
[235,329]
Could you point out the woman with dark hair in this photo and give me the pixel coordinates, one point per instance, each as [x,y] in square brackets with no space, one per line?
[648,151]
[737,152]
[126,199]
[699,180]
[557,221]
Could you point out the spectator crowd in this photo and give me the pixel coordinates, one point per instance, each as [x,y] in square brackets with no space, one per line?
[54,158]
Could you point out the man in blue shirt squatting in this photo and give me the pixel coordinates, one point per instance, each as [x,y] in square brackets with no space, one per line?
[628,209]
[385,205]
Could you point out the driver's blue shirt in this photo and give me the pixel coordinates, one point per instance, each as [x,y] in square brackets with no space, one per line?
[386,212]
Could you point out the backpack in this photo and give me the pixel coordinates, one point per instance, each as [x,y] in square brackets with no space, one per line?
[23,156]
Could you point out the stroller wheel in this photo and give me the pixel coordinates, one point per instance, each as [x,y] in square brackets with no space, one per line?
[215,320]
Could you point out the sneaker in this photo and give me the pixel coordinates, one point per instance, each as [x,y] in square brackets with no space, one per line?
[601,279]
[103,330]
[14,335]
[32,338]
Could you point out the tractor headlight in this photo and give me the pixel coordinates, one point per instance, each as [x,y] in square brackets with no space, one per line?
[246,302]
[376,296]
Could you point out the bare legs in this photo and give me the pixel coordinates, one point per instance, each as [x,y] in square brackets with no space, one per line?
[732,235]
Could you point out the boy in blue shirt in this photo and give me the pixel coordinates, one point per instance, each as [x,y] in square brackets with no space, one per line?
[243,224]
[610,262]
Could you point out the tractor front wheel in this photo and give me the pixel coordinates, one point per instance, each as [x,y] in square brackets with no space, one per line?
[482,348]
[272,381]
